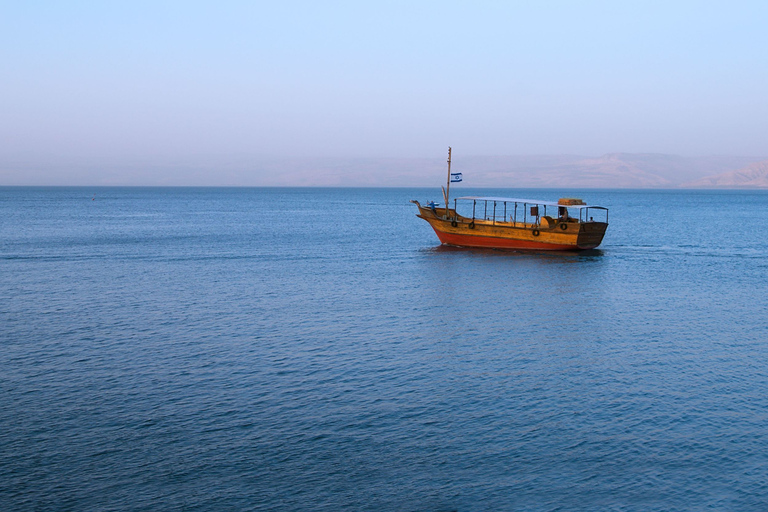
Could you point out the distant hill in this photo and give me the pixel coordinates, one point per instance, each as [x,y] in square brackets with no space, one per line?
[613,170]
[754,175]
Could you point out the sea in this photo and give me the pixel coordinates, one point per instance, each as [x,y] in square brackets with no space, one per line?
[317,349]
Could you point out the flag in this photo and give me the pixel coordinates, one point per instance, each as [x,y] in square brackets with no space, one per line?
[455,177]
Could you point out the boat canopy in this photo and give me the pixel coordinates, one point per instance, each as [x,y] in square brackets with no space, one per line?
[529,201]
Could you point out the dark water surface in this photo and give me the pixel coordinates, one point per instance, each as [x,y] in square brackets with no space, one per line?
[315,349]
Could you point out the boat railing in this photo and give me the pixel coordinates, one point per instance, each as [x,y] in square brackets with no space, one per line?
[523,214]
[512,213]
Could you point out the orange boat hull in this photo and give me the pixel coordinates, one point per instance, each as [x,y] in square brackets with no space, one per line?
[461,240]
[465,232]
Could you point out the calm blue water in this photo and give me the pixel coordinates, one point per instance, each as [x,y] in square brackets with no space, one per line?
[314,349]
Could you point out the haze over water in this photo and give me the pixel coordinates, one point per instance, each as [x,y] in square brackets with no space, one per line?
[315,349]
[190,93]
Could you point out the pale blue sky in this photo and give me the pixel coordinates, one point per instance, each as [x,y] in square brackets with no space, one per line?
[169,81]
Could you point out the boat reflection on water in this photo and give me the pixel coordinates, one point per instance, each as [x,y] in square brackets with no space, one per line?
[490,251]
[554,257]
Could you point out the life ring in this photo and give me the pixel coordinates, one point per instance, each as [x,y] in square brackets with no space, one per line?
[471,225]
[535,232]
[454,223]
[563,226]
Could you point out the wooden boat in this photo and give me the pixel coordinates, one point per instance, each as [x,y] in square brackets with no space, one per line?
[512,223]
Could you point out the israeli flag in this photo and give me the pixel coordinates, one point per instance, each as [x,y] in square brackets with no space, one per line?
[455,177]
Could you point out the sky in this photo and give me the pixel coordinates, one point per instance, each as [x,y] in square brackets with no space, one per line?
[166,83]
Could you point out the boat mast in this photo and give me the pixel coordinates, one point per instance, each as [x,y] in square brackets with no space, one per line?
[447,190]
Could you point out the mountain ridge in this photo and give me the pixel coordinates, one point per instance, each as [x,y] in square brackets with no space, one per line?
[754,175]
[611,170]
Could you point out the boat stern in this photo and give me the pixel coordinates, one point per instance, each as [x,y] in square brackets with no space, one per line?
[591,234]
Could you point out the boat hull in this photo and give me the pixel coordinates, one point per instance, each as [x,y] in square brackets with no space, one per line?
[464,232]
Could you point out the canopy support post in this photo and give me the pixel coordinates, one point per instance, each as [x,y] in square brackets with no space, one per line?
[448,183]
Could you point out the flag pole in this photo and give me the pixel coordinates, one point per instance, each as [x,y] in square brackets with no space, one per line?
[448,183]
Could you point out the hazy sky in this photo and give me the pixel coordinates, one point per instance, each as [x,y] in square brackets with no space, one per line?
[170,81]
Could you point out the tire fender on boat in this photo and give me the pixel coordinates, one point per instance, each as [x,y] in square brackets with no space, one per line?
[563,226]
[454,223]
[535,232]
[471,225]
